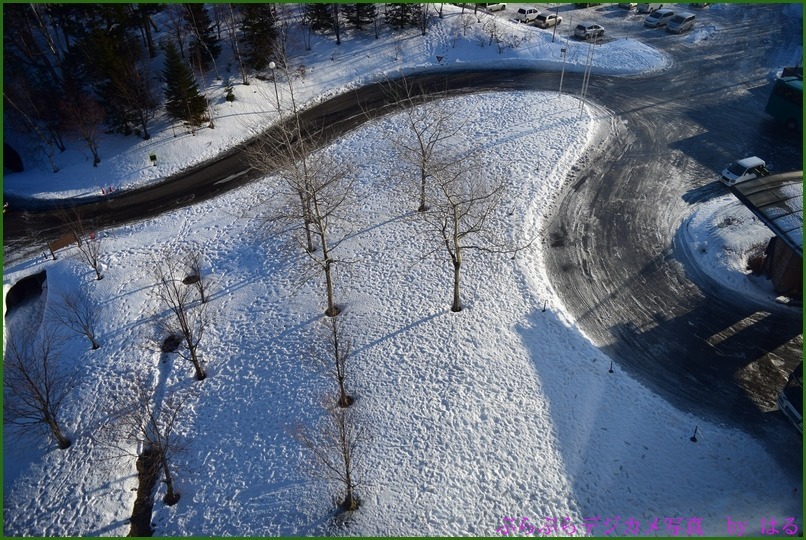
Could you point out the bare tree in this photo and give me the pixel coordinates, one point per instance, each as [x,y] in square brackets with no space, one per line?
[316,190]
[76,311]
[86,116]
[87,240]
[422,23]
[430,125]
[463,215]
[141,424]
[335,357]
[335,446]
[36,384]
[188,321]
[233,19]
[27,123]
[176,26]
[194,261]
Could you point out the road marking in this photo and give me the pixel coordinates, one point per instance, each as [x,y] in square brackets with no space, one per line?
[230,178]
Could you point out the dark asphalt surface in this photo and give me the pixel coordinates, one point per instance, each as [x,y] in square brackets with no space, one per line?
[617,254]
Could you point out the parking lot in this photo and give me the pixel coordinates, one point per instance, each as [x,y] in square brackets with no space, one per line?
[620,23]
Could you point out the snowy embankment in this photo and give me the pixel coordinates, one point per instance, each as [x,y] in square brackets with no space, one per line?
[504,409]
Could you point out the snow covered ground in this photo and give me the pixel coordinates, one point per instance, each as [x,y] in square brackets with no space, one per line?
[503,409]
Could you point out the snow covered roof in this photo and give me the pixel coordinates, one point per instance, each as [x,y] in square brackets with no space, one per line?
[777,200]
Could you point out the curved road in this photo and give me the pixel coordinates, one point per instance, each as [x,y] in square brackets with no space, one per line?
[618,254]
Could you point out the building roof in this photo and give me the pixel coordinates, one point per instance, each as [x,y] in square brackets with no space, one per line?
[777,200]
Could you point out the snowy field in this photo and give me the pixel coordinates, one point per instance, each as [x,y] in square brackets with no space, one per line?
[503,409]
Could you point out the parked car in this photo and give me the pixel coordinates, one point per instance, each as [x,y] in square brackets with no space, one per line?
[659,18]
[649,8]
[627,6]
[790,400]
[588,30]
[681,22]
[744,170]
[496,7]
[547,20]
[526,15]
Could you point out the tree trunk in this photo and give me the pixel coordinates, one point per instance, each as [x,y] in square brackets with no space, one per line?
[306,213]
[350,502]
[332,310]
[171,497]
[152,51]
[62,441]
[457,306]
[423,176]
[200,374]
[344,399]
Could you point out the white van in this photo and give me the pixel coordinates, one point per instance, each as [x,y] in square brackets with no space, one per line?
[681,23]
[526,15]
[649,8]
[743,170]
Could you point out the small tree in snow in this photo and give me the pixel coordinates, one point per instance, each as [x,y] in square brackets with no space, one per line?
[335,356]
[463,216]
[315,189]
[142,426]
[36,383]
[88,241]
[187,320]
[429,127]
[335,447]
[76,311]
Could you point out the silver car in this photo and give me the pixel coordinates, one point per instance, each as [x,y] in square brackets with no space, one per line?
[588,30]
[659,18]
[680,23]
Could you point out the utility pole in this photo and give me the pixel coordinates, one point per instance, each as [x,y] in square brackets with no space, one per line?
[557,13]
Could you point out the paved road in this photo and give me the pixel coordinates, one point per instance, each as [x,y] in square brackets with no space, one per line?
[617,254]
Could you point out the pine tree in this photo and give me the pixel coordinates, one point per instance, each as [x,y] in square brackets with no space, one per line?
[259,34]
[400,15]
[360,15]
[182,98]
[320,16]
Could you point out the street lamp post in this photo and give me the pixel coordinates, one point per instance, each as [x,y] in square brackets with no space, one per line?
[564,50]
[272,65]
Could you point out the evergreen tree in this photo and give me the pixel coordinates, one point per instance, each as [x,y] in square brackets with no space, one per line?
[360,15]
[120,75]
[204,45]
[399,16]
[320,16]
[182,98]
[259,34]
